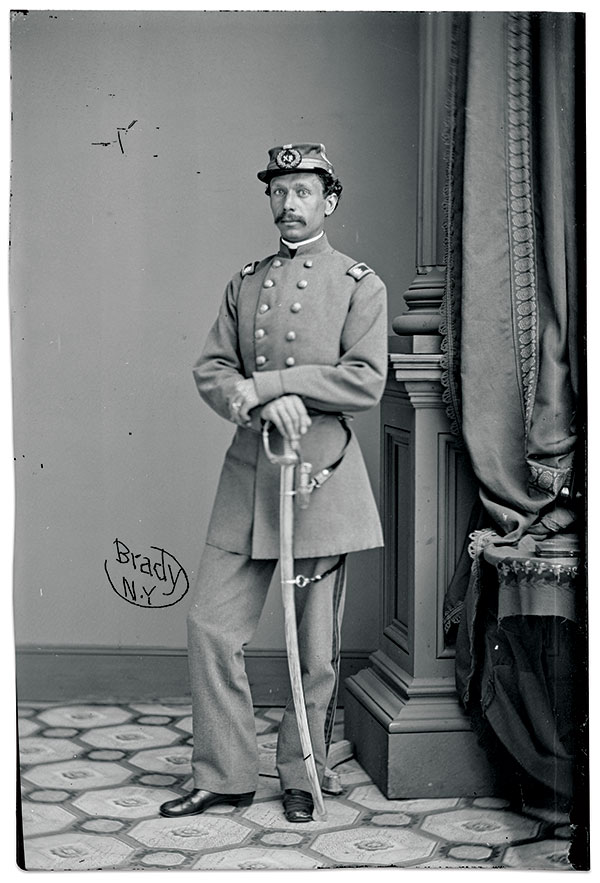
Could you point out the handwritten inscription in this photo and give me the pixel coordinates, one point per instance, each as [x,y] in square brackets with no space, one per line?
[149,580]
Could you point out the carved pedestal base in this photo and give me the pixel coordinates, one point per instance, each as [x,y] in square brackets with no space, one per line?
[413,738]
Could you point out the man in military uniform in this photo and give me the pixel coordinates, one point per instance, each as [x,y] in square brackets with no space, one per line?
[300,341]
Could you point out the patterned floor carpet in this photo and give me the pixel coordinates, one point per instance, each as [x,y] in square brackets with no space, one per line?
[93,776]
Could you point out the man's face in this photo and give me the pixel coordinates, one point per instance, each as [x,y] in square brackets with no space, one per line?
[299,206]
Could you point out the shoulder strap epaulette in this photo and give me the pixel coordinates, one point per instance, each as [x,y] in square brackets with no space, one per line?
[357,271]
[249,269]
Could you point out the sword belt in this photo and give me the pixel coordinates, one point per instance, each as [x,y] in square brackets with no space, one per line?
[301,581]
[308,483]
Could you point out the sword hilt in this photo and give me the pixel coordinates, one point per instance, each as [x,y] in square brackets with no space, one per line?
[291,449]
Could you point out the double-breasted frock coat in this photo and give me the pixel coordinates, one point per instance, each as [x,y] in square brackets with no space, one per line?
[314,325]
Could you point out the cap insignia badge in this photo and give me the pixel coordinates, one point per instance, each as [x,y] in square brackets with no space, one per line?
[288,158]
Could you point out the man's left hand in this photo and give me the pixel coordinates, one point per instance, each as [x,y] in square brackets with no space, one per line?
[289,416]
[244,400]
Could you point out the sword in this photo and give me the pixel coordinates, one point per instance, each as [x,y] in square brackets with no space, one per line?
[288,461]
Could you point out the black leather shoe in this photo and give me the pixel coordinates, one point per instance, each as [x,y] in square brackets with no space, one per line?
[297,805]
[198,800]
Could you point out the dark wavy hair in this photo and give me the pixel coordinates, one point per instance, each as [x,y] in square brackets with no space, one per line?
[329,183]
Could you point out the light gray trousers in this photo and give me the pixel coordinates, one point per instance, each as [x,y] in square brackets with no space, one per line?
[230,593]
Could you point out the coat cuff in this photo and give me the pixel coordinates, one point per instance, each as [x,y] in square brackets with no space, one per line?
[269,385]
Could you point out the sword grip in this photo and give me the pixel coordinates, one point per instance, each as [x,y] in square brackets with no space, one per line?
[304,489]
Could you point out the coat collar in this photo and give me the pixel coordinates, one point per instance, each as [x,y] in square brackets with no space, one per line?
[318,247]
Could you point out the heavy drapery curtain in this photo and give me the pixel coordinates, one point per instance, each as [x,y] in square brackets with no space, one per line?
[511,334]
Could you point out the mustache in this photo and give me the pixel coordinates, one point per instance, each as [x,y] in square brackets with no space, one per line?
[287,216]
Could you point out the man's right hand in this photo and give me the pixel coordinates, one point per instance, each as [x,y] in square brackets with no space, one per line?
[289,416]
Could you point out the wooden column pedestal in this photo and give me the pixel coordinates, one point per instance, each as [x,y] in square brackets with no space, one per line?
[402,713]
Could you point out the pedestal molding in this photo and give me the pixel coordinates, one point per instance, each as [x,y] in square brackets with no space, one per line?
[408,686]
[425,714]
[407,365]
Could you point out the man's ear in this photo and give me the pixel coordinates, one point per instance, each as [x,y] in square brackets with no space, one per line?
[330,203]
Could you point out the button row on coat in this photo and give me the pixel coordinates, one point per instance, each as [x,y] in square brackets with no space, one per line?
[295,308]
[277,263]
[260,333]
[269,283]
[262,360]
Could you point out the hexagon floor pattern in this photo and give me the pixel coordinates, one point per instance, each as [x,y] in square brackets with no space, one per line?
[93,776]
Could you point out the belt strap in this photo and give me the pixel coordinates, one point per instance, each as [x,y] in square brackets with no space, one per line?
[307,483]
[302,581]
[321,477]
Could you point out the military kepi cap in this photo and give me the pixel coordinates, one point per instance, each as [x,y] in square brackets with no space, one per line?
[296,158]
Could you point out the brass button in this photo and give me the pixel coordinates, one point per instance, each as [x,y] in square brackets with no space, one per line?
[268,283]
[308,263]
[260,332]
[291,335]
[302,284]
[290,361]
[296,307]
[276,262]
[260,360]
[263,308]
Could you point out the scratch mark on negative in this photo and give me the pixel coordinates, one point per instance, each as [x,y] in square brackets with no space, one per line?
[118,140]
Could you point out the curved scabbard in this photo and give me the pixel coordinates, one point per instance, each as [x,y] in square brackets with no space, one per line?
[286,562]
